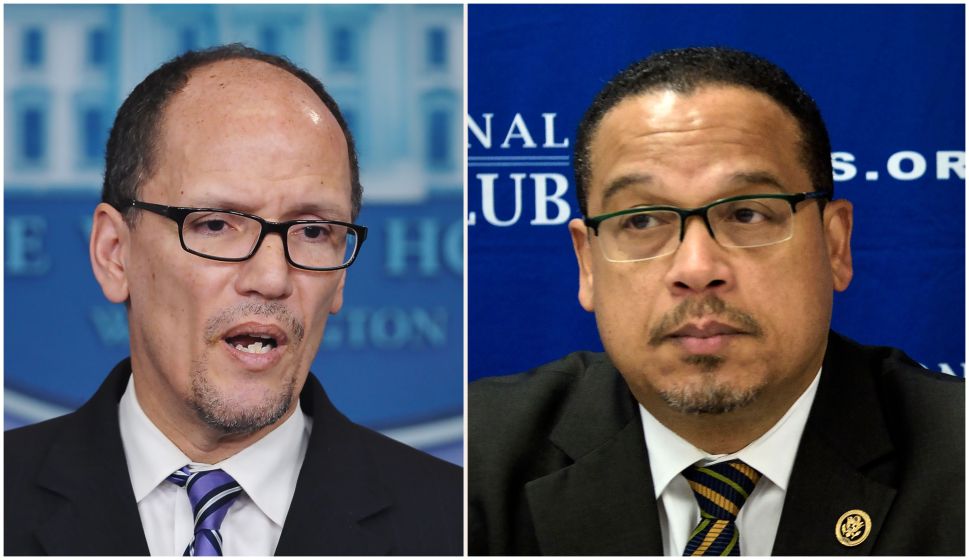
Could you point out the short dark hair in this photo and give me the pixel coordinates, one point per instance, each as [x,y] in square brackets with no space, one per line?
[685,70]
[131,153]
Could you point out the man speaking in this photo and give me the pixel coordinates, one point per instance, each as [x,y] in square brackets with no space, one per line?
[226,227]
[724,417]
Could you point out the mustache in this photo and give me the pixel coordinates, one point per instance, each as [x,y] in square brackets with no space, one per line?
[710,305]
[218,324]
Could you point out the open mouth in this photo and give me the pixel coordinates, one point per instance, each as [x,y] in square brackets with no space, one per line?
[252,343]
[255,338]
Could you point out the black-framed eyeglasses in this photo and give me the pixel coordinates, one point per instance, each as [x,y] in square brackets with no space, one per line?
[232,236]
[649,232]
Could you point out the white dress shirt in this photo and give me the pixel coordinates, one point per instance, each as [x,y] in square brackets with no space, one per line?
[267,471]
[772,454]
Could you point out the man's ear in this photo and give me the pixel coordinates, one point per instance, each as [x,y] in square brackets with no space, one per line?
[838,221]
[110,237]
[583,254]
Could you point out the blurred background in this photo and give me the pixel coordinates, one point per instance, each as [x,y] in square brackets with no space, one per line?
[890,82]
[392,358]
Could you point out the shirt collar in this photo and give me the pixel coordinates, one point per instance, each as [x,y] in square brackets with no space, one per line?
[267,470]
[151,456]
[772,454]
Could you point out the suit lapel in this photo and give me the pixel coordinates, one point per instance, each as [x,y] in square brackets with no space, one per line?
[337,506]
[603,503]
[844,439]
[95,510]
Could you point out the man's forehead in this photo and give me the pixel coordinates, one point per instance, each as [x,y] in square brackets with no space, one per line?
[241,88]
[241,127]
[666,106]
[244,94]
[256,76]
[746,136]
[710,113]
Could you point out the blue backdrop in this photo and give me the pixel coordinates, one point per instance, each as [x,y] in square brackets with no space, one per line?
[890,81]
[392,358]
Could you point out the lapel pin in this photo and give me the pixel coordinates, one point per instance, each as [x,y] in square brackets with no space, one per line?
[853,527]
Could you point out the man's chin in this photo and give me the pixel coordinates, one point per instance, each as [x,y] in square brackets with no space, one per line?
[709,395]
[238,403]
[706,363]
[239,418]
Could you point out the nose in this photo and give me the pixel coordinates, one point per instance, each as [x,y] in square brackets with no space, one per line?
[700,264]
[266,273]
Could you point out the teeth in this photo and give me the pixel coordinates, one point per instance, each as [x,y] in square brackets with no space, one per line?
[254,348]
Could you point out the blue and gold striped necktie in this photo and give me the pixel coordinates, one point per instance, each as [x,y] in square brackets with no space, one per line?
[720,491]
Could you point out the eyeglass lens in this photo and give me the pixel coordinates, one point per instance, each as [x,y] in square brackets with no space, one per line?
[655,233]
[230,236]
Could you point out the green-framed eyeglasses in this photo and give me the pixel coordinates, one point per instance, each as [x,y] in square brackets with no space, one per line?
[649,232]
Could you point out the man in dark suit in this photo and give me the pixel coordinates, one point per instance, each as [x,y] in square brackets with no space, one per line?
[226,228]
[724,417]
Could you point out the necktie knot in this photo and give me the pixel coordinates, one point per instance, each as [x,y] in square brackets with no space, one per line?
[211,494]
[720,491]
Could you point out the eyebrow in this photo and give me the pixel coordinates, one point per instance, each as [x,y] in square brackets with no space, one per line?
[329,212]
[758,178]
[740,179]
[622,183]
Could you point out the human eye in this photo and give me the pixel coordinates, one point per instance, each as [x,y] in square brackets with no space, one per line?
[747,216]
[642,221]
[312,232]
[750,212]
[211,223]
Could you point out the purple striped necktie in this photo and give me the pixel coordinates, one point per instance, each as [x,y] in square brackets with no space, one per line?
[211,494]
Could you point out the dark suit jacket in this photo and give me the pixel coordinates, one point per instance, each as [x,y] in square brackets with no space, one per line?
[67,488]
[557,463]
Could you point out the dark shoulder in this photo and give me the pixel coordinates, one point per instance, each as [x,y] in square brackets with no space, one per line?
[24,448]
[405,472]
[427,493]
[898,368]
[511,419]
[924,408]
[901,377]
[512,422]
[528,401]
[409,468]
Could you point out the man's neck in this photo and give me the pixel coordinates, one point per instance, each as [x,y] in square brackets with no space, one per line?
[199,441]
[211,446]
[727,432]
